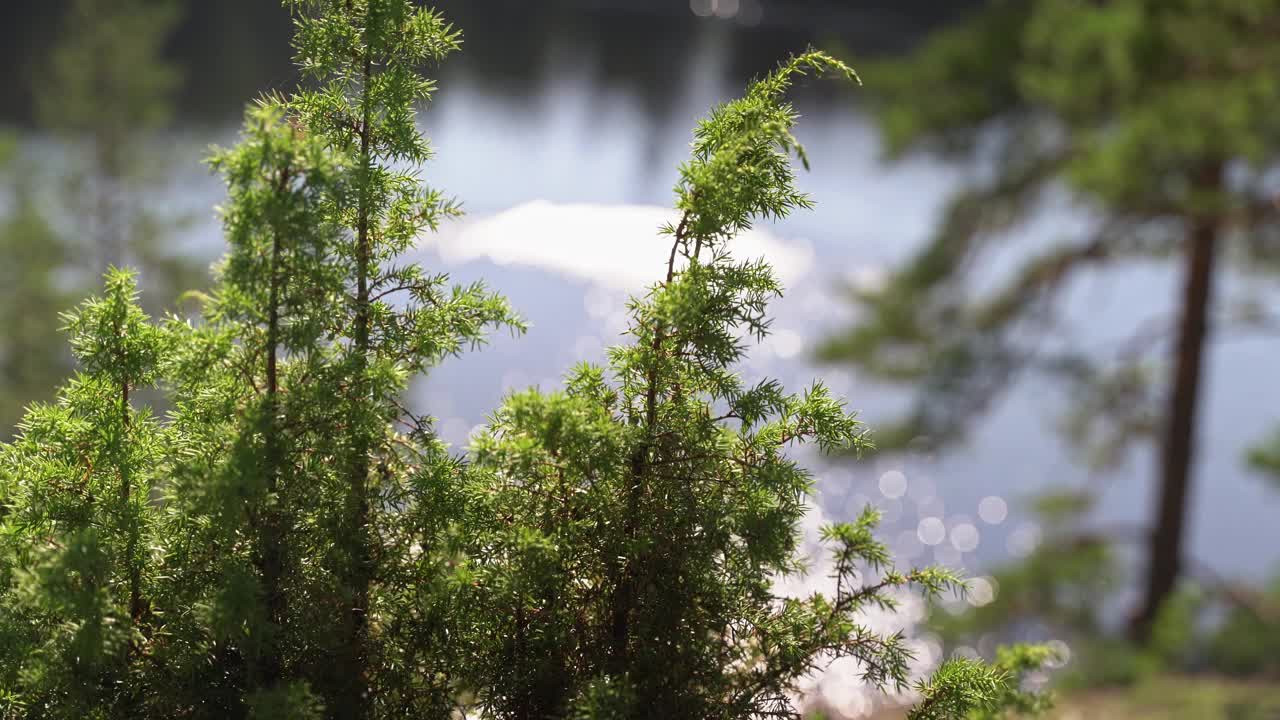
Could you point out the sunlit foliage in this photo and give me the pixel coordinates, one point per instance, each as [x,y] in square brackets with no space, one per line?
[291,542]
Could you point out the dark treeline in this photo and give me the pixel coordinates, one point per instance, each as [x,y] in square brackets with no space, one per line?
[230,50]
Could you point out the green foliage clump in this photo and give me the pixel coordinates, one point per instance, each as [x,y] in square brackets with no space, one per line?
[964,688]
[651,503]
[1247,642]
[291,542]
[79,527]
[1265,458]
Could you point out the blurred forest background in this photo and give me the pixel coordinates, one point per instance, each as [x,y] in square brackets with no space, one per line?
[1043,264]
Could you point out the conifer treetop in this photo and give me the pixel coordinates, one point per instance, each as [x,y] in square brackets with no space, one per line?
[651,504]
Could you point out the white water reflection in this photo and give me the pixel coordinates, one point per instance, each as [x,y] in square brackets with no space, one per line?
[612,247]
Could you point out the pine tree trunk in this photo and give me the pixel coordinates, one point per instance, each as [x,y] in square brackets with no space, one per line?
[354,700]
[271,561]
[624,576]
[131,515]
[1164,553]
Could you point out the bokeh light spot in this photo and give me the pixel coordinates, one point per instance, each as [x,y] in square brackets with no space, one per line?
[725,8]
[965,537]
[965,651]
[893,484]
[982,591]
[1061,654]
[931,531]
[993,510]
